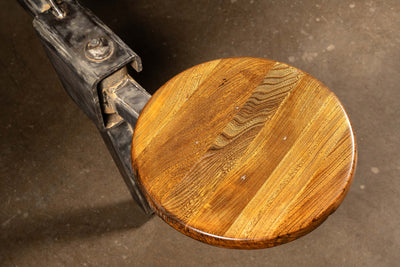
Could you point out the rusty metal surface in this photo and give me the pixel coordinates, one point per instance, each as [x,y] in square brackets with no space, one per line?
[65,41]
[122,98]
[84,51]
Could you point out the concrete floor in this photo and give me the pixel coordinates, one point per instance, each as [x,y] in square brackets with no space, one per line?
[62,200]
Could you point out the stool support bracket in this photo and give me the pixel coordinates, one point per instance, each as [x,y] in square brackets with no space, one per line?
[85,52]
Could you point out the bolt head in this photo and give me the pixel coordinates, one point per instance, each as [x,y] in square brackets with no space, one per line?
[94,43]
[98,49]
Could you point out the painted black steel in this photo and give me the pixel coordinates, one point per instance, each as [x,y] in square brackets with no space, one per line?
[65,40]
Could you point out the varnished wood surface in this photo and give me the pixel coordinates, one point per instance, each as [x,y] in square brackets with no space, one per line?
[244,152]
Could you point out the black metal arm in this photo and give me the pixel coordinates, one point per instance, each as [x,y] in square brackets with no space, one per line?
[91,61]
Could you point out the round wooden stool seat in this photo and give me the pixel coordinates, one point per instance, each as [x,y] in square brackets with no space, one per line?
[244,152]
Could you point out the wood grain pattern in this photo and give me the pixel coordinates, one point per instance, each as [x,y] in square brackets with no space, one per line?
[244,152]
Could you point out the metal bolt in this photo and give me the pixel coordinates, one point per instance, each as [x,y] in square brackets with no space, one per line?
[98,49]
[57,11]
[94,42]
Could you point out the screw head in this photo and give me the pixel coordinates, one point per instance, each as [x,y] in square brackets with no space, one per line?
[98,49]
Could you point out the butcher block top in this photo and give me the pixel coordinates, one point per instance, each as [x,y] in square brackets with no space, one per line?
[244,152]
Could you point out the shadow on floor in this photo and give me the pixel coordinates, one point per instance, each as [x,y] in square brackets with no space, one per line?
[25,229]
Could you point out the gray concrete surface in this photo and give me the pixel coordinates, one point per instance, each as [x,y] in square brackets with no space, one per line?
[62,200]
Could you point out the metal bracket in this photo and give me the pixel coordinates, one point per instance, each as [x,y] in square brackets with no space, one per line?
[91,61]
